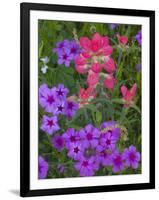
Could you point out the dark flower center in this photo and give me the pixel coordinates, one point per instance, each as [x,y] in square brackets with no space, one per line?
[117,160]
[73,138]
[89,136]
[65,56]
[132,156]
[60,108]
[108,142]
[85,163]
[59,142]
[50,123]
[76,149]
[70,105]
[73,50]
[50,99]
[60,92]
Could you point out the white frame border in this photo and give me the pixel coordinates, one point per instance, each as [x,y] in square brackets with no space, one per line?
[86,181]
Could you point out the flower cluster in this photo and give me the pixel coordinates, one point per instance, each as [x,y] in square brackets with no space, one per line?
[67,51]
[54,100]
[92,148]
[94,58]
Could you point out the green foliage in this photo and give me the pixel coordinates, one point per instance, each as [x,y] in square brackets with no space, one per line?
[100,109]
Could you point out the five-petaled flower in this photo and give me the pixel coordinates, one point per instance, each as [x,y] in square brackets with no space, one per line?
[49,124]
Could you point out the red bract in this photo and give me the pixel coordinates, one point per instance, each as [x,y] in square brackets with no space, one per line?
[122,39]
[109,82]
[86,94]
[128,95]
[96,67]
[97,43]
[109,65]
[92,78]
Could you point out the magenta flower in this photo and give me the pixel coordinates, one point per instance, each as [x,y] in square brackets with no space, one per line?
[61,92]
[74,49]
[49,124]
[65,58]
[58,142]
[70,137]
[132,157]
[42,168]
[59,108]
[110,138]
[75,150]
[90,135]
[60,46]
[85,166]
[47,97]
[66,51]
[71,108]
[117,162]
[103,156]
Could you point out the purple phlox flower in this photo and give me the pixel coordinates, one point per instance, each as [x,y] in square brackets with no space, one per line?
[108,124]
[65,57]
[90,151]
[75,150]
[131,157]
[138,37]
[61,168]
[117,162]
[103,156]
[59,108]
[71,136]
[67,51]
[89,135]
[110,138]
[60,46]
[49,124]
[74,49]
[138,67]
[85,166]
[42,168]
[113,26]
[47,97]
[61,92]
[58,142]
[70,108]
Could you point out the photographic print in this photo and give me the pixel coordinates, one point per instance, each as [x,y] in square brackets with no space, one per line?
[87,99]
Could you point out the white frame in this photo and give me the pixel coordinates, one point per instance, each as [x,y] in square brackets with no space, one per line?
[35,183]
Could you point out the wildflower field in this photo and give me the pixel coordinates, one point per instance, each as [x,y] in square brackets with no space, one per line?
[89,99]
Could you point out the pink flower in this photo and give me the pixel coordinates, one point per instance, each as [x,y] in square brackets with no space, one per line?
[128,95]
[81,69]
[92,78]
[122,39]
[81,66]
[98,44]
[109,82]
[109,66]
[86,94]
[96,68]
